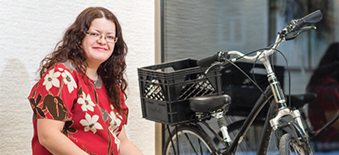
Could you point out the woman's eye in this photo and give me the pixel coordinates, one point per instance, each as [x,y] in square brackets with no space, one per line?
[94,34]
[110,37]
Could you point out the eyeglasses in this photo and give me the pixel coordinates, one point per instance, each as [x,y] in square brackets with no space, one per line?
[108,38]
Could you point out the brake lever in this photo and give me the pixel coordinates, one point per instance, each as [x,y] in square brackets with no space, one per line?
[293,35]
[212,66]
[307,28]
[222,61]
[223,57]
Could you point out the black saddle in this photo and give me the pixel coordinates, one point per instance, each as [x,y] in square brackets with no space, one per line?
[209,103]
[298,101]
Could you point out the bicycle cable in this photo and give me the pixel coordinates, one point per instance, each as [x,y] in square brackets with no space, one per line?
[289,76]
[254,81]
[240,57]
[236,66]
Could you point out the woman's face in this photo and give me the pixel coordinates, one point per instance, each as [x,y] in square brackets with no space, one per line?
[96,48]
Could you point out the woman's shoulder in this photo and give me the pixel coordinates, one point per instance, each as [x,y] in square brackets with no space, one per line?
[68,65]
[68,68]
[326,80]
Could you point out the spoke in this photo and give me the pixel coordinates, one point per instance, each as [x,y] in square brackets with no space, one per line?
[201,151]
[189,140]
[171,140]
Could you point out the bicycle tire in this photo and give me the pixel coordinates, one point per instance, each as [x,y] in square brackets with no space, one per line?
[289,146]
[192,140]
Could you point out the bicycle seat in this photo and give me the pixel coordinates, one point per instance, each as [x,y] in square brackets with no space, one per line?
[209,103]
[298,101]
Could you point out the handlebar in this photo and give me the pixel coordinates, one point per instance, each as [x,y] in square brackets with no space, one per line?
[222,56]
[311,18]
[205,62]
[291,31]
[296,26]
[219,56]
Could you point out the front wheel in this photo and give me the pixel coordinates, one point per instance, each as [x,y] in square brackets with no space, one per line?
[191,140]
[288,145]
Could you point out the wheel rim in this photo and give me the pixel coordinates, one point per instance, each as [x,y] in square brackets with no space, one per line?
[189,144]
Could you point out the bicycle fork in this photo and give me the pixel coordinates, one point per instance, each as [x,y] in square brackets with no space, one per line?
[283,109]
[287,112]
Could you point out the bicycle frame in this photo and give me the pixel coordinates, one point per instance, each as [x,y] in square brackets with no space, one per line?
[273,90]
[259,105]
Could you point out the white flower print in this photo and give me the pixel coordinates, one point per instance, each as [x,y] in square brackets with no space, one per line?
[115,122]
[69,81]
[51,79]
[116,138]
[117,141]
[86,101]
[91,123]
[114,127]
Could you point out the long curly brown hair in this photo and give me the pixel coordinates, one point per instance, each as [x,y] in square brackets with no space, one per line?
[69,48]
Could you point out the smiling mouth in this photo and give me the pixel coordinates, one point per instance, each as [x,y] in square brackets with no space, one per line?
[100,48]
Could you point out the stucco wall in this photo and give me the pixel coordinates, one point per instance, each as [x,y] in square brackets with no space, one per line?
[31,29]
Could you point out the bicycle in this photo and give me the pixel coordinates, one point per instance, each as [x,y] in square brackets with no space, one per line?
[190,137]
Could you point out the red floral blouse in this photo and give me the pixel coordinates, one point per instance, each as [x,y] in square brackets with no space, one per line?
[90,121]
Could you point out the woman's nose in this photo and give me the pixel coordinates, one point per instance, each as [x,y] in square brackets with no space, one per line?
[102,40]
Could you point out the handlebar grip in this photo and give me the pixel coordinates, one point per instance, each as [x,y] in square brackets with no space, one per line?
[297,24]
[206,62]
[313,17]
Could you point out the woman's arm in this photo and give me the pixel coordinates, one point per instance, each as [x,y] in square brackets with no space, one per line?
[51,137]
[330,115]
[127,147]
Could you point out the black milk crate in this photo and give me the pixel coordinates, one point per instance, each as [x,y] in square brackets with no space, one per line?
[243,92]
[165,89]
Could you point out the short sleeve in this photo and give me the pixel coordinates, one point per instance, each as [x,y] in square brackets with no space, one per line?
[329,98]
[327,94]
[124,108]
[55,94]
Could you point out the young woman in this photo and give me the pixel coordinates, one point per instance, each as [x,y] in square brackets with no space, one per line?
[324,83]
[78,103]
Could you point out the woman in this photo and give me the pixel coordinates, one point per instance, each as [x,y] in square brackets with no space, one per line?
[324,82]
[78,102]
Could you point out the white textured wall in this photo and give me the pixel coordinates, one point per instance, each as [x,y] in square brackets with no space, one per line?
[30,30]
